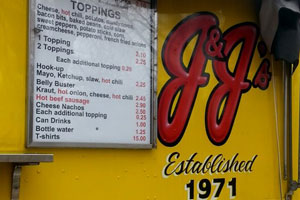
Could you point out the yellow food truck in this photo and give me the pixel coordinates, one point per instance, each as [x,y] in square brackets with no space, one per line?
[145,99]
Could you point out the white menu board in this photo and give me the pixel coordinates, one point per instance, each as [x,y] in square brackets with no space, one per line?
[91,73]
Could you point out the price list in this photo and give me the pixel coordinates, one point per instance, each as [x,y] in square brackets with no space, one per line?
[91,76]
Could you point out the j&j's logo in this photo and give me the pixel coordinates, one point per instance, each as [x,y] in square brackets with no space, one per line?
[213,45]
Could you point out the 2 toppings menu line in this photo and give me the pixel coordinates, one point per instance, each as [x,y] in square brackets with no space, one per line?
[92,73]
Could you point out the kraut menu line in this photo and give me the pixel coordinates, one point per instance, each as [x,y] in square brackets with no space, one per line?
[91,73]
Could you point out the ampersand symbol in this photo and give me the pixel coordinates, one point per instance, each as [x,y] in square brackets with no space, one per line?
[214,45]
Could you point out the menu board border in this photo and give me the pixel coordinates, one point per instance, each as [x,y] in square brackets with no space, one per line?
[30,91]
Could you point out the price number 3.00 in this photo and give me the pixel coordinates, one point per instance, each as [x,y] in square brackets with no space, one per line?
[204,188]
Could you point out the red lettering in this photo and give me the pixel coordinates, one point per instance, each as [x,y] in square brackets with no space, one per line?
[231,85]
[183,80]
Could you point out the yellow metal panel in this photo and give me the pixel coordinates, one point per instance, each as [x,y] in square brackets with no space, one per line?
[5,181]
[137,174]
[13,54]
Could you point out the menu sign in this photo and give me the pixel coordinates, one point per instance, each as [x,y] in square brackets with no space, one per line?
[91,75]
